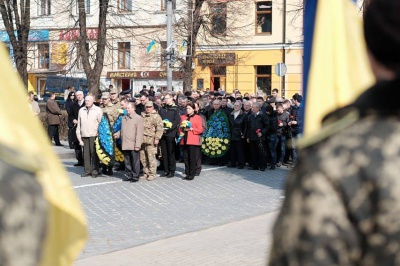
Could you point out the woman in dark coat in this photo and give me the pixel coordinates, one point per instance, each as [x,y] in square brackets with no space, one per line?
[68,107]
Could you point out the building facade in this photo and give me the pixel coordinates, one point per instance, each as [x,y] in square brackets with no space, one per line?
[264,33]
[244,41]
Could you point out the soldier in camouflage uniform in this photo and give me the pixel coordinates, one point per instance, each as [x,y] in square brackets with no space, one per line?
[153,131]
[114,98]
[23,210]
[112,113]
[342,204]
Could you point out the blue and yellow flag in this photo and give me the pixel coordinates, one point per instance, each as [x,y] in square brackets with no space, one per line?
[182,47]
[336,66]
[152,46]
[66,223]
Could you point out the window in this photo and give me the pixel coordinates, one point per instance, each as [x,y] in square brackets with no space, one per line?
[163,58]
[44,7]
[164,5]
[200,84]
[44,56]
[218,19]
[124,55]
[87,6]
[263,79]
[124,5]
[218,71]
[264,17]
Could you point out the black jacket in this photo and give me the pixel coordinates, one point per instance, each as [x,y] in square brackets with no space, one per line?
[238,125]
[203,112]
[75,107]
[256,122]
[182,110]
[227,110]
[284,118]
[68,108]
[170,112]
[296,113]
[273,123]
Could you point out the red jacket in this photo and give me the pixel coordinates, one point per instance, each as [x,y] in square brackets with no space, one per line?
[193,136]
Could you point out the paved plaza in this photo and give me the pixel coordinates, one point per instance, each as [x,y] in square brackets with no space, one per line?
[223,217]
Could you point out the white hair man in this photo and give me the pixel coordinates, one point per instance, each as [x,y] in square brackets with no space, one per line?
[89,118]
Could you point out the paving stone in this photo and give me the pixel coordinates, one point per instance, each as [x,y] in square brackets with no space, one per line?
[122,215]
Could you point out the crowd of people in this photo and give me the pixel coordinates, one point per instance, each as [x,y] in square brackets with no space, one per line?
[194,127]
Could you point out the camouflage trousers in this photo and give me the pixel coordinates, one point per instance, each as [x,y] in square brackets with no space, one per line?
[148,159]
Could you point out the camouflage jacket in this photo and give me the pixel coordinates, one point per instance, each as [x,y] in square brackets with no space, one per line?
[153,127]
[112,113]
[116,103]
[23,210]
[342,200]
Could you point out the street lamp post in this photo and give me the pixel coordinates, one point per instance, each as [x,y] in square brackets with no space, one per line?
[170,52]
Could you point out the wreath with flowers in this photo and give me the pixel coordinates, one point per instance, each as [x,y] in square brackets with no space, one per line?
[119,157]
[217,138]
[105,145]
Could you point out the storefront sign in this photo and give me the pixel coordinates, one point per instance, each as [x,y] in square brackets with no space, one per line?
[142,75]
[74,34]
[209,59]
[34,36]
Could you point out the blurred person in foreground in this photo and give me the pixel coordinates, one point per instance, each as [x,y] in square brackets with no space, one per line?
[41,219]
[342,200]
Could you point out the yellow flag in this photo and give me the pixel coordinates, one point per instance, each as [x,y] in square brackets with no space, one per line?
[66,223]
[339,69]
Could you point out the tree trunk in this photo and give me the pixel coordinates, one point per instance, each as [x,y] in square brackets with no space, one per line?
[19,24]
[193,31]
[93,73]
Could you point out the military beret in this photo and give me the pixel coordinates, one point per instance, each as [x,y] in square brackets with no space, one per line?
[125,92]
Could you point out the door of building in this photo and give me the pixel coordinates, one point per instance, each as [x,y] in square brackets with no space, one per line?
[41,85]
[218,78]
[123,84]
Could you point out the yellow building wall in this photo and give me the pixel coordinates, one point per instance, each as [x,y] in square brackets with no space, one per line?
[242,76]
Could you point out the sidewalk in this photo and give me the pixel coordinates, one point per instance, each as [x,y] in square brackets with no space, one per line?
[245,242]
[64,152]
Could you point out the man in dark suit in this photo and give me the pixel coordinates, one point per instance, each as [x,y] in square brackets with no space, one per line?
[53,119]
[75,107]
[167,142]
[140,108]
